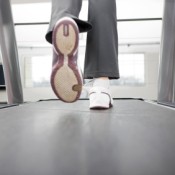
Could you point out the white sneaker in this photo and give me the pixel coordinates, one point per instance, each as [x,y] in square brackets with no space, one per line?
[100,98]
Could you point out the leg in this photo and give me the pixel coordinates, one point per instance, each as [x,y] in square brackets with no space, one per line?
[101,60]
[66,8]
[102,41]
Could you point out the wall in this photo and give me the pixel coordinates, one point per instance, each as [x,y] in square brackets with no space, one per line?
[28,1]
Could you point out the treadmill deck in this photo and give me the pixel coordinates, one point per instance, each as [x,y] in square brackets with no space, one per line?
[54,138]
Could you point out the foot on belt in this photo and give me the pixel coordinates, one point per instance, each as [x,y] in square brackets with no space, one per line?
[100,98]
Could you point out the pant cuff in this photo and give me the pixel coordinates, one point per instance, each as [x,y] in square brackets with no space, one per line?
[110,75]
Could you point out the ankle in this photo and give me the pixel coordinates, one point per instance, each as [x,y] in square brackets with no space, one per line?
[101,82]
[102,78]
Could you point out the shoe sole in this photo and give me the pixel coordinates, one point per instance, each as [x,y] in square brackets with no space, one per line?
[66,80]
[100,107]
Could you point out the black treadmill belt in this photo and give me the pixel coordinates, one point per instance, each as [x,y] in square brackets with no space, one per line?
[55,138]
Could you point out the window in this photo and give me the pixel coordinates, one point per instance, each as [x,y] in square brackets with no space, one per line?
[37,71]
[131,68]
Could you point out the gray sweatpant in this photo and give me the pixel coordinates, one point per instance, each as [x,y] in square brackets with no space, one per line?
[101,59]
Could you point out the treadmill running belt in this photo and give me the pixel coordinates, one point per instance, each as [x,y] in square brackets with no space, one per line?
[54,138]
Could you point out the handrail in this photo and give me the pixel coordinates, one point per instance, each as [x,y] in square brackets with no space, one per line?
[118,20]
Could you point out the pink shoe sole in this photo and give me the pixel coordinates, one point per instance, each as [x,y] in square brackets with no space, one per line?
[66,79]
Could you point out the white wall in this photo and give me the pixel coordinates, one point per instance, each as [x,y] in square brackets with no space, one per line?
[28,1]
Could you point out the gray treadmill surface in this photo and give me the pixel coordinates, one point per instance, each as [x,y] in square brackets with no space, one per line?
[54,138]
